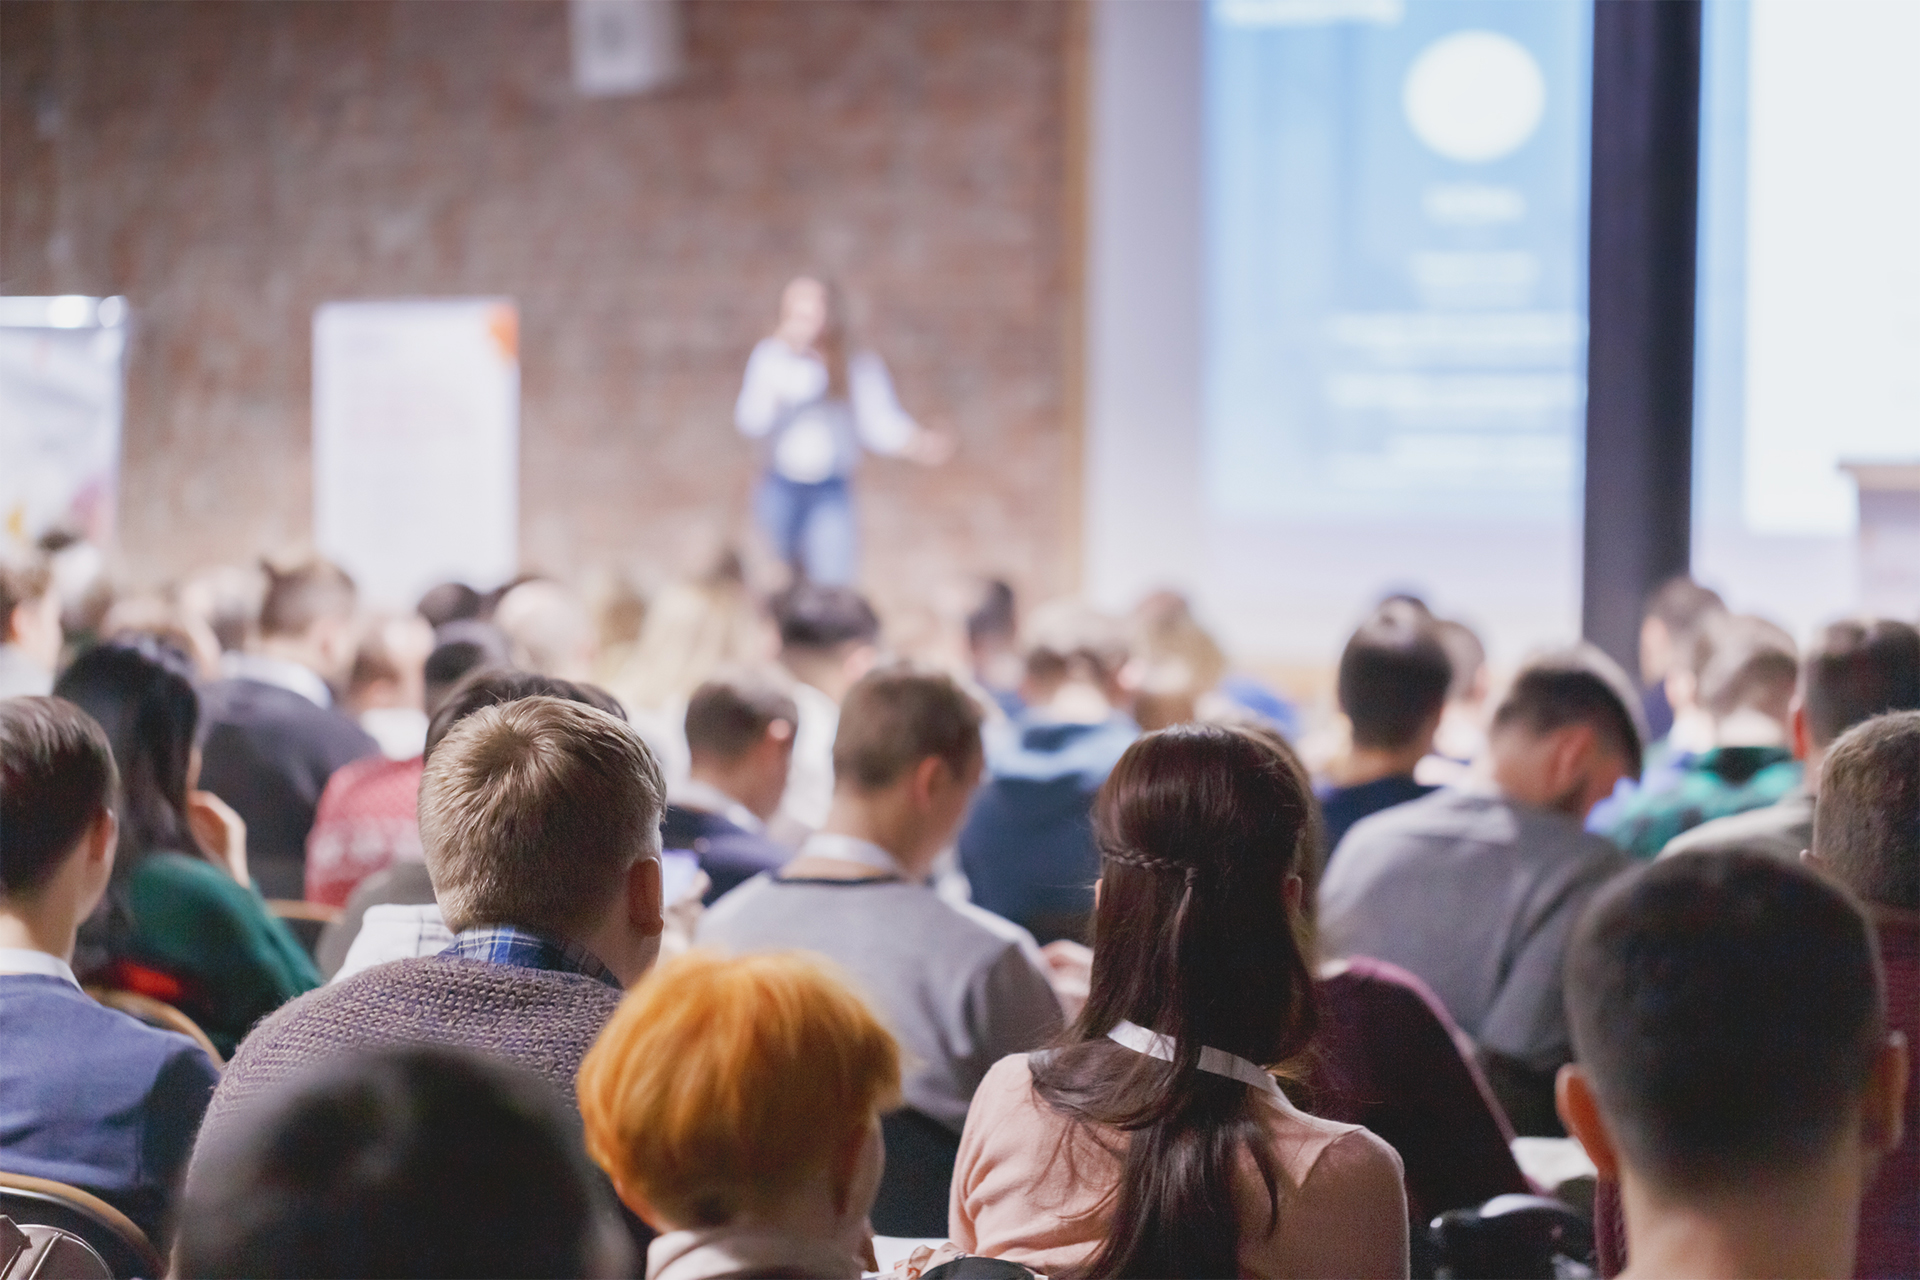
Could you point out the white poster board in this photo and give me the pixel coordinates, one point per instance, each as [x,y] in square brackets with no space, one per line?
[416,424]
[60,402]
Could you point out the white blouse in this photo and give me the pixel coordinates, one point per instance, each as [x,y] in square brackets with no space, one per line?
[810,438]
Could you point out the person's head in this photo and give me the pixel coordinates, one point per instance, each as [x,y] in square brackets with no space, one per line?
[141,692]
[544,814]
[57,784]
[908,756]
[1746,677]
[1203,832]
[389,669]
[829,636]
[449,602]
[743,1091]
[1566,732]
[227,598]
[1393,681]
[813,318]
[1074,658]
[1175,661]
[30,609]
[307,616]
[1674,615]
[1466,657]
[460,649]
[550,629]
[1729,1031]
[740,727]
[1854,670]
[489,686]
[1866,822]
[993,635]
[402,1161]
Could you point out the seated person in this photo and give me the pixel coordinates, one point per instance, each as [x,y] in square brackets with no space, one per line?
[540,820]
[401,1161]
[736,1105]
[1155,1141]
[961,987]
[740,739]
[1733,1068]
[829,638]
[1475,890]
[1746,683]
[1026,848]
[181,921]
[1394,675]
[274,736]
[1854,671]
[367,819]
[1676,612]
[30,635]
[88,1096]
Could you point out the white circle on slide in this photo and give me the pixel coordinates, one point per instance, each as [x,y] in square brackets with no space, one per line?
[1474,96]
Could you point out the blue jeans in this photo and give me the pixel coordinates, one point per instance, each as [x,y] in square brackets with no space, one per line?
[811,526]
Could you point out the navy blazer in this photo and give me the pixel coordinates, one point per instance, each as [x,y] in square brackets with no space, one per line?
[729,854]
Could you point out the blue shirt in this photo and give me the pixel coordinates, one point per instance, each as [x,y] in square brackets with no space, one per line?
[96,1099]
[505,944]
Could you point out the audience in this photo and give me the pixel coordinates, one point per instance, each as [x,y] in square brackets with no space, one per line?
[993,645]
[400,1161]
[549,629]
[181,921]
[449,602]
[367,817]
[386,688]
[1199,986]
[88,1096]
[1474,890]
[273,736]
[1027,849]
[829,638]
[1393,683]
[227,598]
[30,635]
[961,987]
[740,739]
[1854,671]
[1734,1070]
[736,1105]
[1746,673]
[1677,611]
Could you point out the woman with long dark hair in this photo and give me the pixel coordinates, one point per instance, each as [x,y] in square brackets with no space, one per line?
[180,920]
[1156,1142]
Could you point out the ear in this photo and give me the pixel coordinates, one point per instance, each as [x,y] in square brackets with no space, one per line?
[1096,892]
[927,778]
[103,836]
[846,1168]
[1799,738]
[1883,1116]
[1573,747]
[1296,889]
[1580,1112]
[646,908]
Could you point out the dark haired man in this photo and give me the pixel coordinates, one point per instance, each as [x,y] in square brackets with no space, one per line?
[1734,1072]
[1393,682]
[1475,890]
[829,638]
[739,729]
[88,1096]
[273,737]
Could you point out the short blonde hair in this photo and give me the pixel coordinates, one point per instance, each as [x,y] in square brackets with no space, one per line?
[721,1082]
[532,811]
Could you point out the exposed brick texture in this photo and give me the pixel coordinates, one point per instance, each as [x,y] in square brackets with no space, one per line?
[230,166]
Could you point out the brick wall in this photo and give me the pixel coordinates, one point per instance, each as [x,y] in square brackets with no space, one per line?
[228,167]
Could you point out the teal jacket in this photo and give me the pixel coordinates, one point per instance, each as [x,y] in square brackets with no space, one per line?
[1713,784]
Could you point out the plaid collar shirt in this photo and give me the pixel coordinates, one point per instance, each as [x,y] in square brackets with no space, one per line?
[504,944]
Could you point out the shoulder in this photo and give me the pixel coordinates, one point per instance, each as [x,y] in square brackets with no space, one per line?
[42,1009]
[1005,1090]
[185,878]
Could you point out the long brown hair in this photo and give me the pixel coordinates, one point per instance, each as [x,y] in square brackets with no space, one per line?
[835,341]
[1199,828]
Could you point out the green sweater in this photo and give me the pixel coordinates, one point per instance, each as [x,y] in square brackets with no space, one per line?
[195,922]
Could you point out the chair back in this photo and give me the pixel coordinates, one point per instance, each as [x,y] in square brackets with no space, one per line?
[156,1013]
[42,1202]
[308,920]
[47,1253]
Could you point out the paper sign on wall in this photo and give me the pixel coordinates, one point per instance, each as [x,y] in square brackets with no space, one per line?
[416,423]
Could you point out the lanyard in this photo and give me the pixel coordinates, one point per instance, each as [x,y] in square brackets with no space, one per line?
[1213,1061]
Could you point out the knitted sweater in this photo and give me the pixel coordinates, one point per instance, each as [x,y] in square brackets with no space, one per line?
[540,1020]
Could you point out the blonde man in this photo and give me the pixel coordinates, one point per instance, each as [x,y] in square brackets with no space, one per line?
[540,823]
[736,1105]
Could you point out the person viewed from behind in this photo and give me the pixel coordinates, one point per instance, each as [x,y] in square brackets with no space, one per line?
[816,403]
[401,1161]
[274,736]
[829,638]
[1746,686]
[993,644]
[1733,1069]
[740,736]
[181,921]
[1027,848]
[88,1096]
[1855,670]
[1393,682]
[960,986]
[30,634]
[386,688]
[1475,890]
[736,1105]
[1154,1141]
[1677,611]
[549,628]
[1462,737]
